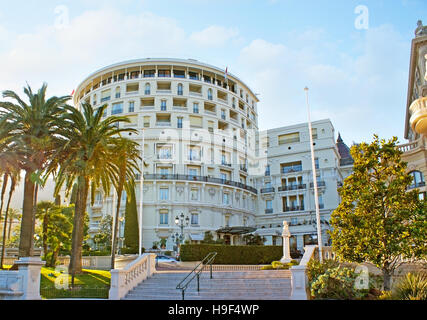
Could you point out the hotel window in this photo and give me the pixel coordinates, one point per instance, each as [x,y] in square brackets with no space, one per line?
[164,73]
[164,152]
[207,79]
[131,106]
[164,217]
[117,93]
[193,76]
[233,102]
[289,138]
[180,90]
[179,74]
[98,198]
[224,176]
[225,198]
[146,122]
[163,105]
[223,114]
[94,99]
[105,95]
[194,153]
[147,88]
[192,172]
[314,133]
[417,179]
[227,221]
[149,73]
[195,107]
[269,205]
[164,194]
[321,204]
[210,97]
[117,108]
[194,194]
[316,163]
[196,121]
[179,124]
[194,218]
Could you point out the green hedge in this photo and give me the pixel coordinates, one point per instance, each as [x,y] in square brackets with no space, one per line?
[232,254]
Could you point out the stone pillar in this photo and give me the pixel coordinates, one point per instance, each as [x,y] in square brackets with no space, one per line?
[286,235]
[30,269]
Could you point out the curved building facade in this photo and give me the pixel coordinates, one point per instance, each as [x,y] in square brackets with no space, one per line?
[198,126]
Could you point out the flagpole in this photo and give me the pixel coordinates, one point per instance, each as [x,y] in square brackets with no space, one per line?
[316,195]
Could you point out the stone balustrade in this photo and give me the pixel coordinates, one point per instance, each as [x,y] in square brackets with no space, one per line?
[124,280]
[23,284]
[299,281]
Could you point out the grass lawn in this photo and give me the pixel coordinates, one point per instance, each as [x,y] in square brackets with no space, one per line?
[89,284]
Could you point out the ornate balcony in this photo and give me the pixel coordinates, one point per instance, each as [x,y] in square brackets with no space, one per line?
[418,120]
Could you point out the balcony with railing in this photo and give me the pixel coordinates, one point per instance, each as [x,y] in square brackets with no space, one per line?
[267,190]
[199,179]
[320,183]
[290,187]
[269,210]
[291,169]
[293,208]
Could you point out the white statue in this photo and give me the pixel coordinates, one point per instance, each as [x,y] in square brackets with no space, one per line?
[286,235]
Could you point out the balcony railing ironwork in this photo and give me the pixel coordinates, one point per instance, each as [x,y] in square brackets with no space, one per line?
[319,184]
[293,208]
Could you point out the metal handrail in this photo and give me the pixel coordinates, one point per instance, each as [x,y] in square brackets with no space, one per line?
[206,261]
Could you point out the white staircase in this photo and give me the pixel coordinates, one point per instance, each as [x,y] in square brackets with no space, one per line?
[225,285]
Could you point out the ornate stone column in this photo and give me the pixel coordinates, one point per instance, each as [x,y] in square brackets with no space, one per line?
[286,235]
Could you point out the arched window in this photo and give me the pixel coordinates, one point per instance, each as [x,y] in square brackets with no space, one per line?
[180,91]
[210,94]
[418,179]
[147,88]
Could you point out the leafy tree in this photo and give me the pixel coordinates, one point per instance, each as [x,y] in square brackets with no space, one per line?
[56,229]
[254,240]
[104,236]
[32,133]
[378,221]
[131,222]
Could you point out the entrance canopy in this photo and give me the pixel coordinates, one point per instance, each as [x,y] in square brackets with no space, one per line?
[236,230]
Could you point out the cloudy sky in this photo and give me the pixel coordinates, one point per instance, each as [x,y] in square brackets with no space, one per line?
[354,61]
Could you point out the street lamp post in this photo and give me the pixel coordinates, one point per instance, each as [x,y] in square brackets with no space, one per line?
[316,195]
[181,221]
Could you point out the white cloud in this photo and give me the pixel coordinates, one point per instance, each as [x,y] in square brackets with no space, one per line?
[359,94]
[214,36]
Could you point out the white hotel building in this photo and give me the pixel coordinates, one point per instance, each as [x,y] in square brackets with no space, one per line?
[206,158]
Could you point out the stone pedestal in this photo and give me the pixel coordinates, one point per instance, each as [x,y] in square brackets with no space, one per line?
[286,235]
[298,281]
[30,269]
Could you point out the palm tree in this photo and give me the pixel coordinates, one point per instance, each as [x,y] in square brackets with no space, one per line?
[85,159]
[126,167]
[13,214]
[10,172]
[33,136]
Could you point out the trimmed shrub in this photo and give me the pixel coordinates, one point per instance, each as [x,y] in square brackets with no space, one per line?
[232,254]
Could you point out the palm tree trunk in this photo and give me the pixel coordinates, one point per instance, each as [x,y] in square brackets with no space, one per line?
[78,228]
[3,191]
[116,227]
[27,230]
[11,190]
[45,223]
